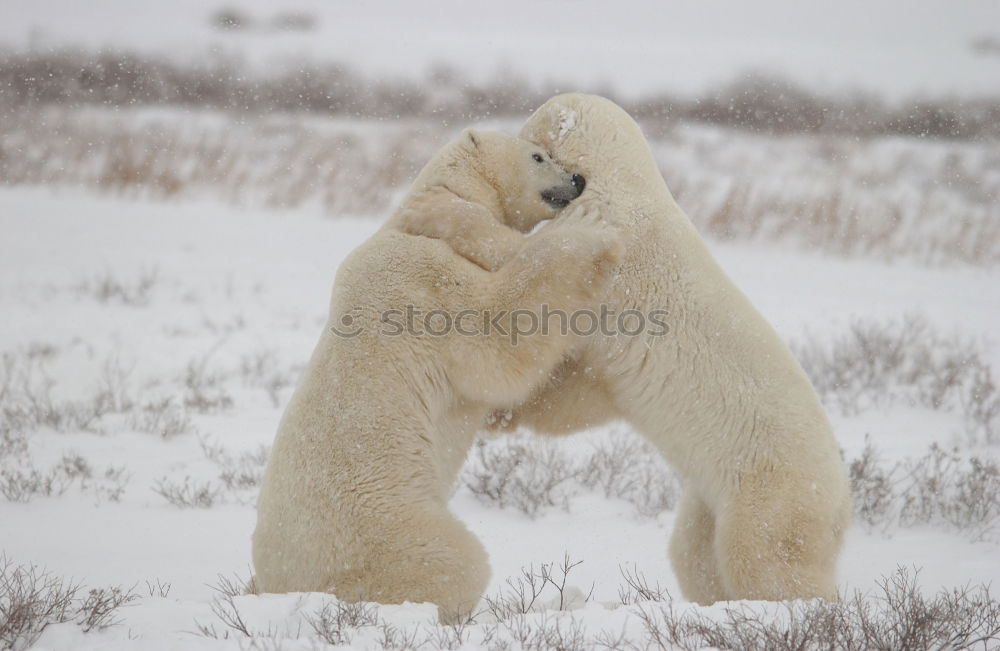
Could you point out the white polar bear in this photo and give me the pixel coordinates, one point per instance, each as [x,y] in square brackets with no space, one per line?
[354,498]
[766,496]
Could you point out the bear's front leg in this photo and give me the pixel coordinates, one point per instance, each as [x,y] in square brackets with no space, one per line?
[470,229]
[559,271]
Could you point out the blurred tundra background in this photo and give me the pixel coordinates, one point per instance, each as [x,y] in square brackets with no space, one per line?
[179,181]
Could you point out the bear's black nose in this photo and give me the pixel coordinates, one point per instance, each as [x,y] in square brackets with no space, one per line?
[579,183]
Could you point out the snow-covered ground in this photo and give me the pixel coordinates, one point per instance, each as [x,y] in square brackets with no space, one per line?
[153,301]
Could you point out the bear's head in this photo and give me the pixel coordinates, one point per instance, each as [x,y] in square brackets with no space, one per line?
[603,142]
[530,187]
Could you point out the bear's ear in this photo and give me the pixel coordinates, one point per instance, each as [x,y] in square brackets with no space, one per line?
[473,137]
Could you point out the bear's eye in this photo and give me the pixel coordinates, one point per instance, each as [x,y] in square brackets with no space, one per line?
[537,157]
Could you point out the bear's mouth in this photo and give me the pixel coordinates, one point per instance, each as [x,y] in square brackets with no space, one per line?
[554,201]
[559,196]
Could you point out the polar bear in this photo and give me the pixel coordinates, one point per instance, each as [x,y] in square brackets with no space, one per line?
[766,497]
[486,230]
[354,497]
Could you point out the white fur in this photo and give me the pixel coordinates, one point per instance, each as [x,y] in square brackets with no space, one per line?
[766,500]
[354,499]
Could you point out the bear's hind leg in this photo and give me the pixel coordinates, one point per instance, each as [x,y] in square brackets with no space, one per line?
[773,545]
[692,551]
[430,557]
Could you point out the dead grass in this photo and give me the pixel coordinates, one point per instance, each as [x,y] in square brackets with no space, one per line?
[31,599]
[187,493]
[828,173]
[334,622]
[205,387]
[107,288]
[158,588]
[941,488]
[882,198]
[22,484]
[537,609]
[754,102]
[535,590]
[543,593]
[22,479]
[636,588]
[262,369]
[532,474]
[522,473]
[239,477]
[624,466]
[28,401]
[162,417]
[544,632]
[897,616]
[887,199]
[270,162]
[238,473]
[876,364]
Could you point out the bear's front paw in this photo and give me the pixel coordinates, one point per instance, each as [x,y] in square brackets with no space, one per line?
[592,213]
